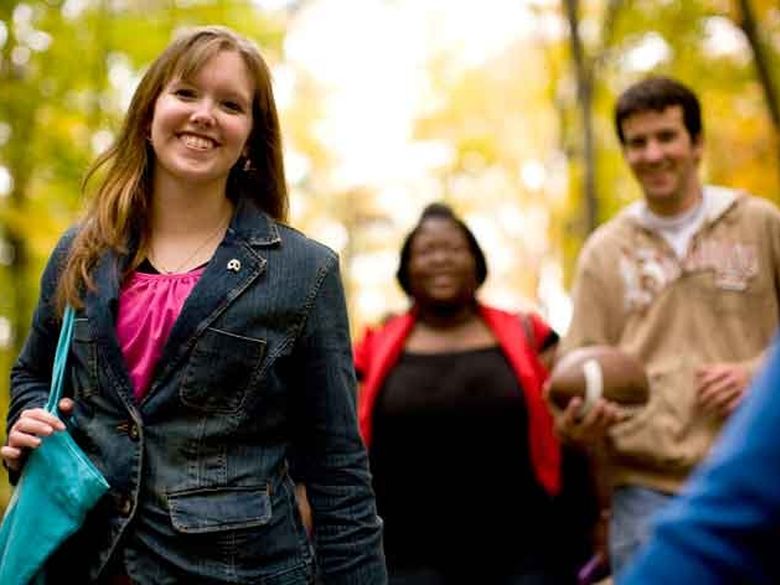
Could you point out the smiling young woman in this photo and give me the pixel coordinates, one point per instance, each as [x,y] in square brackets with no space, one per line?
[211,358]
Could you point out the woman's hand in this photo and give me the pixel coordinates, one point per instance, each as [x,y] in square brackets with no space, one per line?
[303,507]
[26,432]
[572,427]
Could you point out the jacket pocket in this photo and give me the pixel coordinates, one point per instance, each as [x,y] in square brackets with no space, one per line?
[83,360]
[222,367]
[669,432]
[202,510]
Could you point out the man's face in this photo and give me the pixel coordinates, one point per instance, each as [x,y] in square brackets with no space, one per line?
[663,158]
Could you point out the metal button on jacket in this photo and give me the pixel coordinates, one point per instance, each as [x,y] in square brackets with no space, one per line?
[124,506]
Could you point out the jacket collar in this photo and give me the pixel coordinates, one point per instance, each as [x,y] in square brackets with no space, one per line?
[250,226]
[716,200]
[253,225]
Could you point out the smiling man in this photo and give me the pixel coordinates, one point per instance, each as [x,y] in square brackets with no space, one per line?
[688,280]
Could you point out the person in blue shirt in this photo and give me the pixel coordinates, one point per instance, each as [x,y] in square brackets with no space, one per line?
[725,526]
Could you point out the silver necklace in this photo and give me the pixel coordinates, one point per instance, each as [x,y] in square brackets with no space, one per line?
[178,268]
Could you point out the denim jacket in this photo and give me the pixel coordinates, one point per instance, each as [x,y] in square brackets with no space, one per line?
[255,377]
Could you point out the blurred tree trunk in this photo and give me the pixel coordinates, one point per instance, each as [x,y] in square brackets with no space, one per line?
[765,70]
[583,73]
[585,67]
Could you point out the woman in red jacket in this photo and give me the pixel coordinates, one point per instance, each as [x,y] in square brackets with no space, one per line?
[467,471]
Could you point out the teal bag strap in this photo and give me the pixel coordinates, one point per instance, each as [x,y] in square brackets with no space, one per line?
[60,359]
[58,487]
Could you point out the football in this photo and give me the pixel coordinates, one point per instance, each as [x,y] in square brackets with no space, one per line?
[598,370]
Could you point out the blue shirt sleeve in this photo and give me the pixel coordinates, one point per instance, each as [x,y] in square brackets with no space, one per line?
[725,526]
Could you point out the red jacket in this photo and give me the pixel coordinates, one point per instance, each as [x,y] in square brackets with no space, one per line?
[380,349]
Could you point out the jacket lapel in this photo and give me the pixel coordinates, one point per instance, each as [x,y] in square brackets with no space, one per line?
[236,264]
[101,307]
[233,268]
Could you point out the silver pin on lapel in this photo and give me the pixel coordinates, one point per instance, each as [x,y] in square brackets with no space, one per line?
[234,265]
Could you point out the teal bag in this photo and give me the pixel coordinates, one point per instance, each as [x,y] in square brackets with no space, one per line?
[58,486]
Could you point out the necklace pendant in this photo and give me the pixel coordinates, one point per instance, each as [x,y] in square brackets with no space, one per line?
[193,257]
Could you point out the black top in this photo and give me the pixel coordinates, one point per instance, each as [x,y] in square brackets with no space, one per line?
[451,466]
[146,267]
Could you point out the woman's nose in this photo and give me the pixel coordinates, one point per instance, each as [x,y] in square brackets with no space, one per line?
[203,114]
[440,255]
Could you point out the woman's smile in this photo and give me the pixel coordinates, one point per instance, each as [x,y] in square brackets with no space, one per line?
[197,141]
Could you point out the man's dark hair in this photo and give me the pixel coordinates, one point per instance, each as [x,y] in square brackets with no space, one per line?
[439,211]
[658,93]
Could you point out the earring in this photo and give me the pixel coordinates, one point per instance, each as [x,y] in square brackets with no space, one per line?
[247,166]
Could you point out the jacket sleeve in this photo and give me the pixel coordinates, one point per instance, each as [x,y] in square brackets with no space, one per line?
[31,373]
[597,306]
[542,334]
[332,461]
[725,526]
[770,239]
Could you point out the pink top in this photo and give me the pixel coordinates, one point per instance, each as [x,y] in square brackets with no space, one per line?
[148,307]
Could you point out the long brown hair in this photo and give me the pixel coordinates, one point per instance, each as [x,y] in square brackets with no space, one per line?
[118,211]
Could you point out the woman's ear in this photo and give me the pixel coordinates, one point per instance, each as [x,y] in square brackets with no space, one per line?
[244,161]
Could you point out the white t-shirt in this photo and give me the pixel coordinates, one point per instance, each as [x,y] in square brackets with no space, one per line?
[677,230]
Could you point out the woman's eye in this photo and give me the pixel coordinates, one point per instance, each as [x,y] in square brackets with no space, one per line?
[184,93]
[233,106]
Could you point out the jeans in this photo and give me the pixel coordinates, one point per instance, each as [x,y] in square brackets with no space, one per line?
[435,577]
[633,511]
